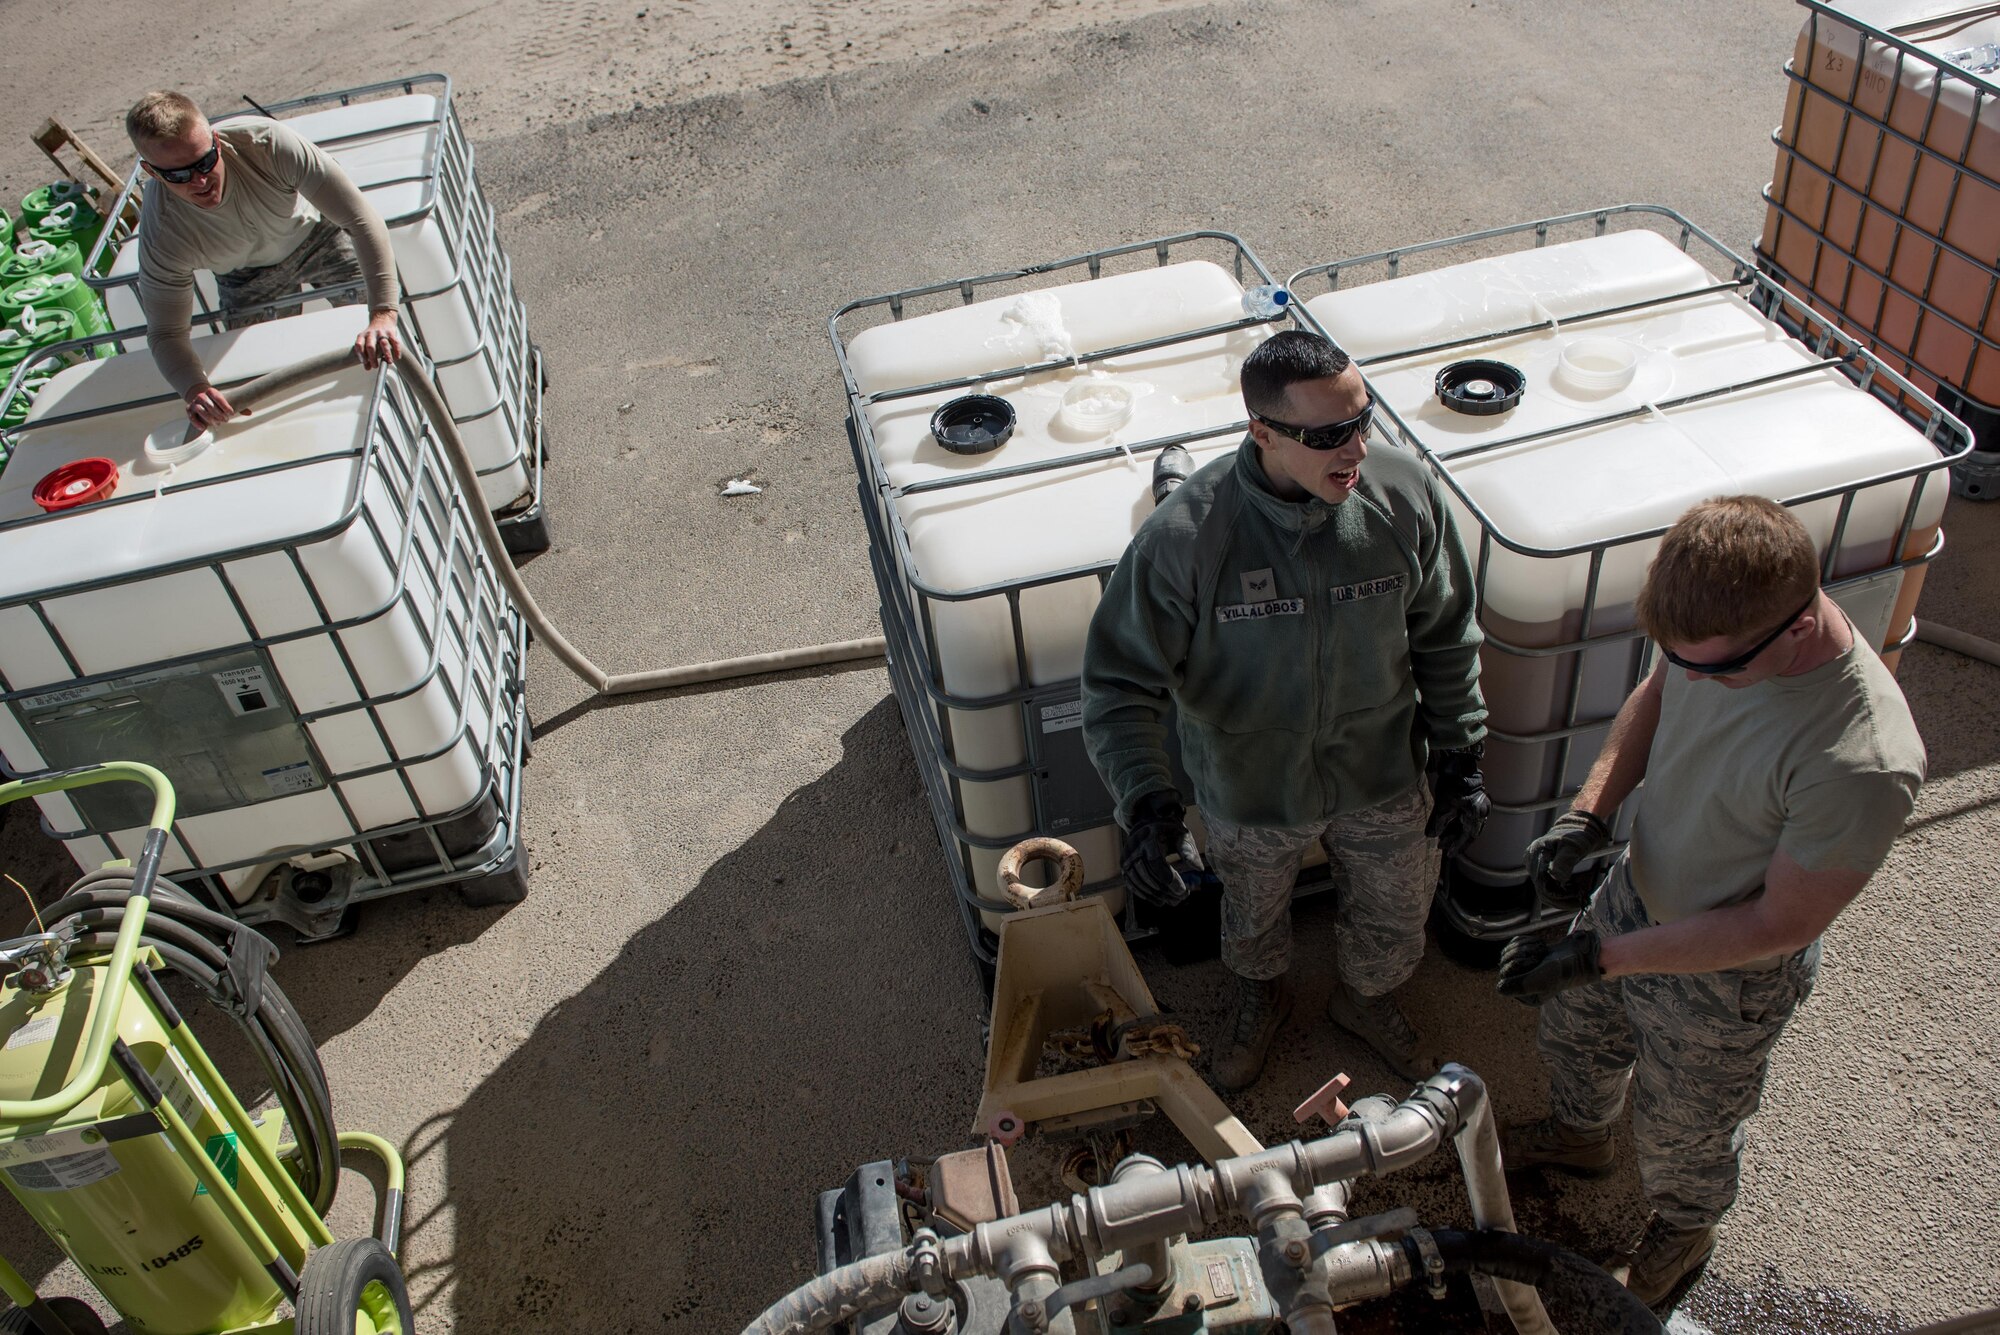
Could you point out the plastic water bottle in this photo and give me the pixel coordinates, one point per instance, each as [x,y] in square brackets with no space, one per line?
[1977,59]
[1266,300]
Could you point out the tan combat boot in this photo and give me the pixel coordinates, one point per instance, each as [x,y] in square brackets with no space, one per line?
[1380,1023]
[1262,1007]
[1548,1143]
[1665,1263]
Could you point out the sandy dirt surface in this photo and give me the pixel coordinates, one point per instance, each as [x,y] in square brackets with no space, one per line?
[739,974]
[517,64]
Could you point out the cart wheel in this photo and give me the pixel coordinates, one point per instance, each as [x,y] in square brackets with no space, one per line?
[509,885]
[72,1312]
[353,1287]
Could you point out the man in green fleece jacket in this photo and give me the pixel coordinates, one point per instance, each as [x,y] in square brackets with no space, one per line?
[1306,607]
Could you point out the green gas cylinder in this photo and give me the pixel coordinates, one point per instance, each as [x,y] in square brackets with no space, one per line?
[56,291]
[35,256]
[74,221]
[16,409]
[35,205]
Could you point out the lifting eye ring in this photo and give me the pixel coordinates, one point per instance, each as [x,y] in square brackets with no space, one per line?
[1069,873]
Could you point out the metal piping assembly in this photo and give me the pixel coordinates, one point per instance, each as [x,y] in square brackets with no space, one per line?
[600,682]
[1128,1238]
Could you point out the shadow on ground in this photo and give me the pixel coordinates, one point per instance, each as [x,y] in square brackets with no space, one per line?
[823,1012]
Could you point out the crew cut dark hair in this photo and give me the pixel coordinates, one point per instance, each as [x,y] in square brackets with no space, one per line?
[1283,360]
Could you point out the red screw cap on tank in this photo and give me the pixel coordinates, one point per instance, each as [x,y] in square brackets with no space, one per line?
[77,483]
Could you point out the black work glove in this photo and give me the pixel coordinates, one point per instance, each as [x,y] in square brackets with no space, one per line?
[1158,837]
[1552,859]
[1459,805]
[1534,968]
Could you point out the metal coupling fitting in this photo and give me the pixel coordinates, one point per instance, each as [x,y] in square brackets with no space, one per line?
[1360,1271]
[1019,1245]
[1144,1203]
[927,1269]
[925,1314]
[1269,1183]
[1427,1251]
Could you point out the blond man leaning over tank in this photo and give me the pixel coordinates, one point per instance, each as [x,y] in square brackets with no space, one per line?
[1305,608]
[1780,762]
[266,212]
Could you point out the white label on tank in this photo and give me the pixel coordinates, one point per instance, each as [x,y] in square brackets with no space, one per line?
[33,1149]
[38,1030]
[1062,717]
[288,779]
[68,695]
[139,679]
[181,1089]
[247,690]
[65,1173]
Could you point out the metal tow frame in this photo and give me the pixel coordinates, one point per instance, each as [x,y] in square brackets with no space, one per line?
[475,640]
[479,265]
[1841,296]
[915,669]
[1832,349]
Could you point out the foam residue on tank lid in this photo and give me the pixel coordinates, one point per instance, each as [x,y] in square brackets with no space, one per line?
[1094,407]
[1040,316]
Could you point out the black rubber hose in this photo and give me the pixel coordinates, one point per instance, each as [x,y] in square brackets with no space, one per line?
[227,962]
[1589,1298]
[276,1034]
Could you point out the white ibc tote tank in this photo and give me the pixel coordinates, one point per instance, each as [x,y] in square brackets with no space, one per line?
[296,623]
[989,577]
[407,154]
[1651,384]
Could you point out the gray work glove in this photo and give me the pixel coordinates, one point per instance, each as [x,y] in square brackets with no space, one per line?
[1552,859]
[1157,840]
[1459,805]
[1534,968]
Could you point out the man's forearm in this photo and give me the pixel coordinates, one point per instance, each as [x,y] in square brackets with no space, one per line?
[1128,747]
[1622,763]
[1723,938]
[1794,907]
[169,312]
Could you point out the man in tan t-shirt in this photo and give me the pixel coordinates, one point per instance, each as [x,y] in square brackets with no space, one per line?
[267,212]
[1780,762]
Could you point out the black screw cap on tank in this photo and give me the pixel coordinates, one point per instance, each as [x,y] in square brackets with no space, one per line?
[1480,388]
[973,424]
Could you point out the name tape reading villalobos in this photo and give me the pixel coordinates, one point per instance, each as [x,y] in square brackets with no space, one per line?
[1275,607]
[1291,607]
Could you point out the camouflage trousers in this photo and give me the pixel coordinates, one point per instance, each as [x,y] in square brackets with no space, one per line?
[1694,1048]
[1384,870]
[324,259]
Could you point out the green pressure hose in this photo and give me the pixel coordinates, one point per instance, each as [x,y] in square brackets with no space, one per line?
[601,682]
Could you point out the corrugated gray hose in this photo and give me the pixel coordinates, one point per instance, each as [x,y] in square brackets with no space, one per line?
[593,676]
[818,1304]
